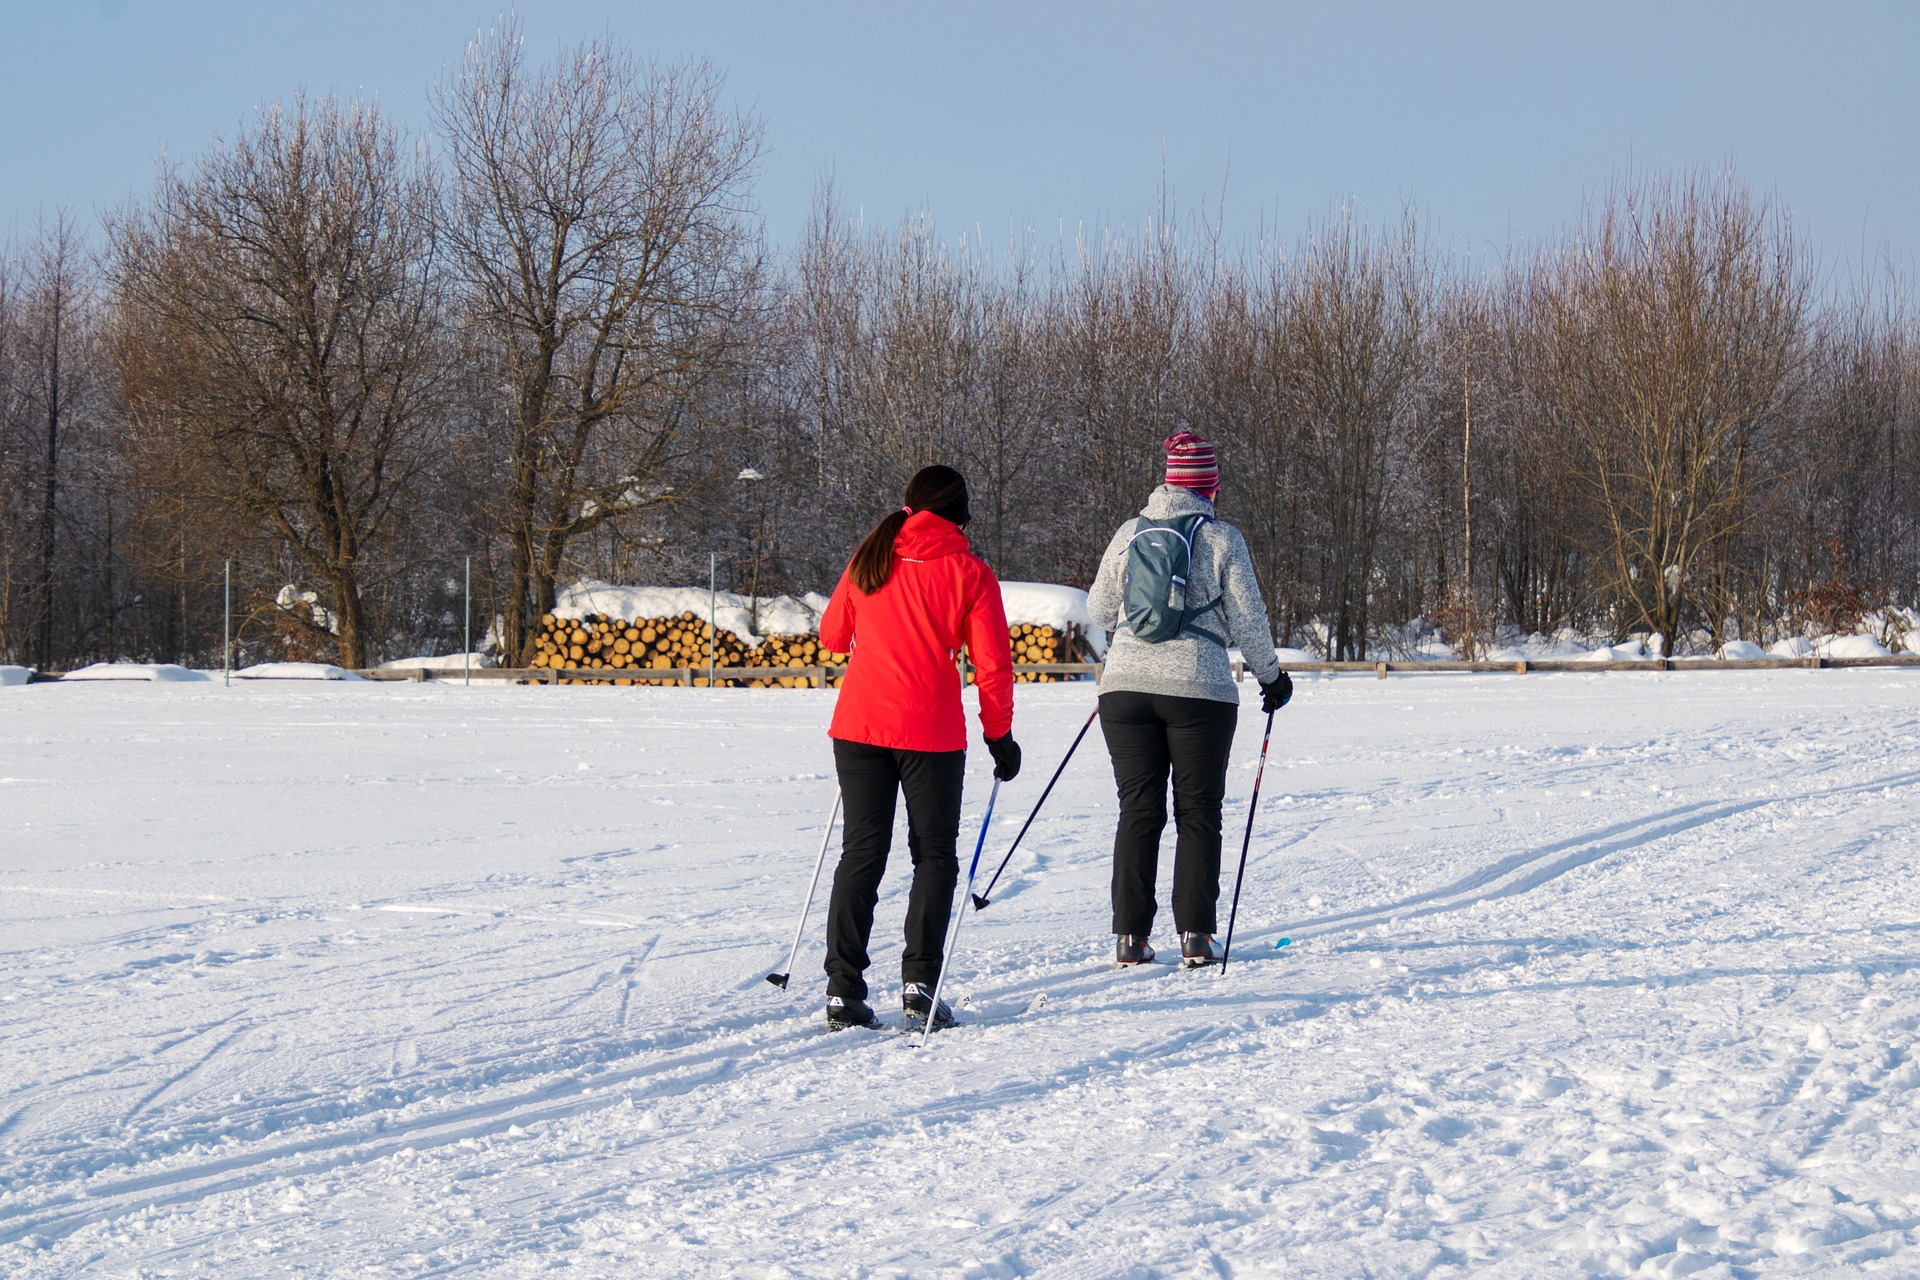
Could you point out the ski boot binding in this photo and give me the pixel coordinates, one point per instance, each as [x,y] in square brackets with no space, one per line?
[844,1012]
[916,1000]
[1197,950]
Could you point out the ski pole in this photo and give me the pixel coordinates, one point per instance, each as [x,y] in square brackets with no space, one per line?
[780,979]
[981,900]
[1252,807]
[933,1011]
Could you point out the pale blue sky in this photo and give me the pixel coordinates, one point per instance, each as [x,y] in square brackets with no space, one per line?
[1497,118]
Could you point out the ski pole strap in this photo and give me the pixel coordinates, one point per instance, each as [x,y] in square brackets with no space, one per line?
[980,900]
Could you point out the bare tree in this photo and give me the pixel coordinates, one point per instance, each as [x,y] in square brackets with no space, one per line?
[598,211]
[1670,339]
[53,283]
[1354,306]
[278,325]
[15,474]
[824,310]
[910,372]
[1853,460]
[1016,468]
[46,333]
[1120,352]
[1240,400]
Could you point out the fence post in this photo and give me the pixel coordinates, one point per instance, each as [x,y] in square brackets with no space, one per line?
[466,647]
[1379,671]
[713,611]
[226,630]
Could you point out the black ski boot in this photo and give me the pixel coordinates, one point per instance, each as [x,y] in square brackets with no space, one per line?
[915,1000]
[851,1012]
[1131,948]
[1197,950]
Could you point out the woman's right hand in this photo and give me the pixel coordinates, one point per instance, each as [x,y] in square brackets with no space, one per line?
[1275,694]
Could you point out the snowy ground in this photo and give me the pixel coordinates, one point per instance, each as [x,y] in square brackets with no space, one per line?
[1610,974]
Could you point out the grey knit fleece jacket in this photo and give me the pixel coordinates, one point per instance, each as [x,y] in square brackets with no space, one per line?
[1187,666]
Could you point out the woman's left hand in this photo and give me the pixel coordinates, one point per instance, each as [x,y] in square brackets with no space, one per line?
[1006,757]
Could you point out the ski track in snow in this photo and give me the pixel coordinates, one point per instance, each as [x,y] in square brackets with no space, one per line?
[1609,974]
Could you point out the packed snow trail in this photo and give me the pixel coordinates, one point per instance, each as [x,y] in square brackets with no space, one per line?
[1611,974]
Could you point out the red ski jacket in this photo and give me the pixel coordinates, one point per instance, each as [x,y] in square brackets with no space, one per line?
[902,688]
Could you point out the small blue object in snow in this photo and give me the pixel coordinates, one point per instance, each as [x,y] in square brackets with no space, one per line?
[1283,942]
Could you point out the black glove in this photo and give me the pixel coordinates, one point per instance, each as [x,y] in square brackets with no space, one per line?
[1006,757]
[1275,693]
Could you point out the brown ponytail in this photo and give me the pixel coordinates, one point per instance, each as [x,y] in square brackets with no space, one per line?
[941,490]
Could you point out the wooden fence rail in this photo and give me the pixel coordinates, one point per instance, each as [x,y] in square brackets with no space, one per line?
[816,675]
[1529,665]
[1091,670]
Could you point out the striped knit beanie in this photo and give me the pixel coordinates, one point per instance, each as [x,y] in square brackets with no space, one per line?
[1191,465]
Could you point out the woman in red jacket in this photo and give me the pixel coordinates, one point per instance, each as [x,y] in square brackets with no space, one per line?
[912,596]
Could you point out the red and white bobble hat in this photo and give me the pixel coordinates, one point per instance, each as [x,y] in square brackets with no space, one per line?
[1191,464]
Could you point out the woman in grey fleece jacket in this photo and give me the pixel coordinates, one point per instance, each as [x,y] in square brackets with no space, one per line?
[1171,708]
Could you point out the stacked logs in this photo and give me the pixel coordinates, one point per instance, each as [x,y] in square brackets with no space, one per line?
[643,645]
[1043,644]
[597,643]
[792,651]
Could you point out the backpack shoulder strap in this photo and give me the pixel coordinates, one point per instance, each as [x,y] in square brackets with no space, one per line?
[1141,524]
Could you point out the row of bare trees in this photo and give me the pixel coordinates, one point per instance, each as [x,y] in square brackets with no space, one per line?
[550,339]
[1630,429]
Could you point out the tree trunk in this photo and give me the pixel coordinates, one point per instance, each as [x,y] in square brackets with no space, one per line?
[106,574]
[50,484]
[350,635]
[523,506]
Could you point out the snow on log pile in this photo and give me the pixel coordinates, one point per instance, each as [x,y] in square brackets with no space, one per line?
[1057,616]
[741,615]
[597,626]
[1049,624]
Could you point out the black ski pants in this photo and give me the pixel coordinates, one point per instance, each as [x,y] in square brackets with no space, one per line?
[1150,735]
[870,780]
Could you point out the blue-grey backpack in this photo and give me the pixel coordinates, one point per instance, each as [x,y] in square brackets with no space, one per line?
[1153,598]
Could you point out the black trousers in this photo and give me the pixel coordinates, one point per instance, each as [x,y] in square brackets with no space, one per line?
[870,779]
[1150,735]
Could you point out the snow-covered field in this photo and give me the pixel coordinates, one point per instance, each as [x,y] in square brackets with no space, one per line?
[1605,974]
